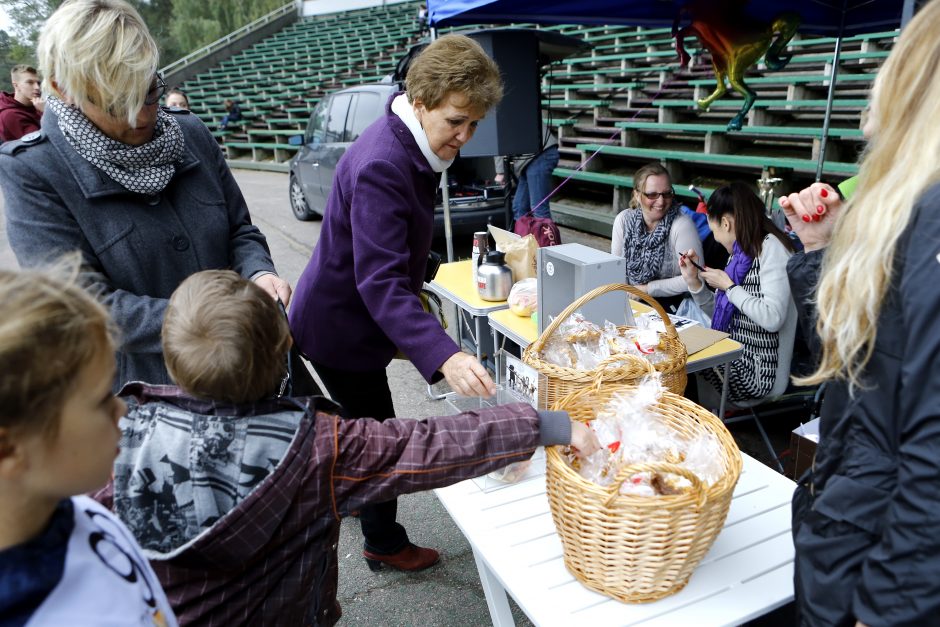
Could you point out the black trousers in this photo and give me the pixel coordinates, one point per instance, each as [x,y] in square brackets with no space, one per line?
[367,395]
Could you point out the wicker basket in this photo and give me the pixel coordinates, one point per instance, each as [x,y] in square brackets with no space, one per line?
[639,548]
[562,380]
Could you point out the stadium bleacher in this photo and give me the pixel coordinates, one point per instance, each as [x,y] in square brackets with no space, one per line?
[627,99]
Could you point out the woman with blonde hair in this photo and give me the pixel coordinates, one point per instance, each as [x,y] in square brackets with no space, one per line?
[867,518]
[651,233]
[357,300]
[143,192]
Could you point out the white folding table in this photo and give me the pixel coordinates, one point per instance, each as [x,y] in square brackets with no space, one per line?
[748,571]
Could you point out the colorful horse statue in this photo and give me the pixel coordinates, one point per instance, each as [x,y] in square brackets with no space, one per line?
[736,41]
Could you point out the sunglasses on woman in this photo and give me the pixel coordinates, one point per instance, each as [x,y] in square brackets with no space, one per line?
[156,91]
[655,195]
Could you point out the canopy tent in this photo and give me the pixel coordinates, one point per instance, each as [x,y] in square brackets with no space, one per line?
[836,18]
[819,17]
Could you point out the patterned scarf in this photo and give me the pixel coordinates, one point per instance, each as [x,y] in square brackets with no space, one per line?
[644,249]
[737,268]
[145,169]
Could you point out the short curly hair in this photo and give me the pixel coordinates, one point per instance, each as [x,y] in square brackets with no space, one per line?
[454,64]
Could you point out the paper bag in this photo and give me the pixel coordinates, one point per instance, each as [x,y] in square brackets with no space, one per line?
[520,256]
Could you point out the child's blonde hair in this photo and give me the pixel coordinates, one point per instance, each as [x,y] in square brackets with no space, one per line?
[224,338]
[49,329]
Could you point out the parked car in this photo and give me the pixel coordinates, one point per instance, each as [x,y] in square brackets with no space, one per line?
[339,119]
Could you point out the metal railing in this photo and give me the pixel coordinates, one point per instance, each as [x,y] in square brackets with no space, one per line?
[192,57]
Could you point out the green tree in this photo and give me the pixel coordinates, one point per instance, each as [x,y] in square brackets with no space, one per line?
[178,26]
[200,22]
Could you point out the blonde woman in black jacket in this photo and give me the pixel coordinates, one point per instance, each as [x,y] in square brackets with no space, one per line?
[867,520]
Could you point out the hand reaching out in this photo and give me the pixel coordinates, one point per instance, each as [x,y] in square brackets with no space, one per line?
[584,442]
[467,376]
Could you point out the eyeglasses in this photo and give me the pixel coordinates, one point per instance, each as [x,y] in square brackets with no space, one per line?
[156,91]
[655,195]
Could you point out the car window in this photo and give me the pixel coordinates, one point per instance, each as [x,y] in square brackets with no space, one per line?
[339,106]
[316,128]
[368,108]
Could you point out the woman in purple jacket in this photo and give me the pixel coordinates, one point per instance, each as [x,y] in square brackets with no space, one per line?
[357,302]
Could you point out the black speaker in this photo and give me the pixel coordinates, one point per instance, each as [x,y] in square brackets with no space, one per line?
[514,127]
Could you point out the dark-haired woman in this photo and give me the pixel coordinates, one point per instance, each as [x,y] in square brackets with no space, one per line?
[752,300]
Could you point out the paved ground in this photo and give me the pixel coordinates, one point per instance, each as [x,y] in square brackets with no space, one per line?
[448,594]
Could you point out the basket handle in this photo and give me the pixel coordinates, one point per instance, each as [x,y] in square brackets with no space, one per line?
[603,373]
[539,343]
[698,488]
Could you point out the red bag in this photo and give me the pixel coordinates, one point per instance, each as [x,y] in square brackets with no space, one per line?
[544,230]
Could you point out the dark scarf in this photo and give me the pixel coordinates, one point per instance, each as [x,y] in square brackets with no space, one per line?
[145,169]
[643,249]
[737,268]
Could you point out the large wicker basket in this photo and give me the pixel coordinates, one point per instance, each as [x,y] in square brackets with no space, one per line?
[562,381]
[639,548]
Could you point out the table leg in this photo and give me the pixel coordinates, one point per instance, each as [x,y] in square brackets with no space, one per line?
[496,364]
[724,391]
[496,598]
[476,327]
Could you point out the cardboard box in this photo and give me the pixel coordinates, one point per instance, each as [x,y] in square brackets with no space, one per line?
[803,442]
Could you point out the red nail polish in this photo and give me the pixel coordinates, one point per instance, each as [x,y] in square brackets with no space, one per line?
[806,218]
[823,193]
[820,208]
[817,218]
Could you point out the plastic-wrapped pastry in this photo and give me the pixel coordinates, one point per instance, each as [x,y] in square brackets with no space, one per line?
[523,297]
[631,433]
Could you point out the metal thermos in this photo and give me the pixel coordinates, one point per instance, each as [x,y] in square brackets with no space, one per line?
[494,277]
[481,243]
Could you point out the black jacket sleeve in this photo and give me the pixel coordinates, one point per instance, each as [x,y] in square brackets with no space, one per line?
[803,273]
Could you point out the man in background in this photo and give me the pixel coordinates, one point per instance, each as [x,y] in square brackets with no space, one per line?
[21,111]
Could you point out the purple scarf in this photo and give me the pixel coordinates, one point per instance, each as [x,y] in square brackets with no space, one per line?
[738,267]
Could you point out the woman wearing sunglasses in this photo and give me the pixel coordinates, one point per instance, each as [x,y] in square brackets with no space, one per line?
[651,233]
[143,192]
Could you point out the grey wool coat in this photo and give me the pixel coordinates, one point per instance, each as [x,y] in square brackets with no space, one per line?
[140,248]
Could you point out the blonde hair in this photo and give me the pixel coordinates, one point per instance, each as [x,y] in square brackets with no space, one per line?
[50,328]
[902,160]
[98,52]
[224,338]
[454,64]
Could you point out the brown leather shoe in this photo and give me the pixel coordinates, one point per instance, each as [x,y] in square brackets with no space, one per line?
[410,558]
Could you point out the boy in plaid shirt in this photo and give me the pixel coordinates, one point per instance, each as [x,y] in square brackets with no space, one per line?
[236,495]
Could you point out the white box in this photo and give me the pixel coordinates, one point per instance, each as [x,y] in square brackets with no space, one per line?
[569,271]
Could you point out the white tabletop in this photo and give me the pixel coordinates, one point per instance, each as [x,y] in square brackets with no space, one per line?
[747,572]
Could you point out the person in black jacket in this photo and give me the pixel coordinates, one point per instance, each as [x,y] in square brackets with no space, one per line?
[867,517]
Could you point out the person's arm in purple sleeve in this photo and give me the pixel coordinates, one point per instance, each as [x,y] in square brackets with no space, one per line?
[379,218]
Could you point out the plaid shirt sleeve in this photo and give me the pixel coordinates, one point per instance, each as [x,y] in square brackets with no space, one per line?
[376,461]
